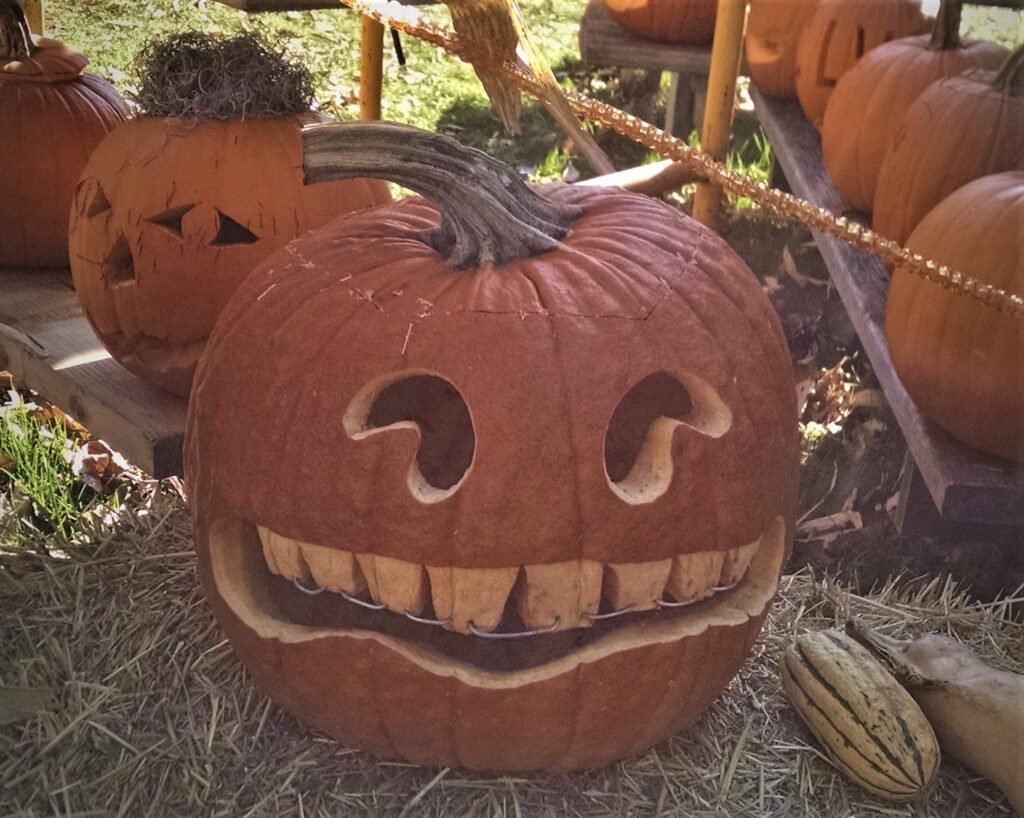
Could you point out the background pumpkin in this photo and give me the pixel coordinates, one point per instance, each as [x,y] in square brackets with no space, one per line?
[869,102]
[688,22]
[773,32]
[52,115]
[841,32]
[959,128]
[176,207]
[960,359]
[497,421]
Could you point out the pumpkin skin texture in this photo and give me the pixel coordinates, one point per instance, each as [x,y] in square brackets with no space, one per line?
[866,109]
[959,128]
[540,353]
[687,22]
[170,213]
[838,35]
[959,359]
[773,32]
[52,116]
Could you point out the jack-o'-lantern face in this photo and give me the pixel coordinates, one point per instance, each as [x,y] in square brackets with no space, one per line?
[170,217]
[507,517]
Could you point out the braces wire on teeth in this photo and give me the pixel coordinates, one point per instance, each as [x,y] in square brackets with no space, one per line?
[446,623]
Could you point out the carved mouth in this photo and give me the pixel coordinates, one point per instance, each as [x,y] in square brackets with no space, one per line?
[501,620]
[153,353]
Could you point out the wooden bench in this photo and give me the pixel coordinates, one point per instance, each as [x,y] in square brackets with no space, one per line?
[46,343]
[946,489]
[603,42]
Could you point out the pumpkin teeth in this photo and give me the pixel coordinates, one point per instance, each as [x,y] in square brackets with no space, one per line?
[400,585]
[471,596]
[737,561]
[693,576]
[555,596]
[558,595]
[636,586]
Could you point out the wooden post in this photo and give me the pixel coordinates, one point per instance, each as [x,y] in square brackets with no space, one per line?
[721,100]
[371,70]
[34,15]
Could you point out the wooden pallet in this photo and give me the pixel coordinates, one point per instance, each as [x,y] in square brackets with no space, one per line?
[603,42]
[947,489]
[47,345]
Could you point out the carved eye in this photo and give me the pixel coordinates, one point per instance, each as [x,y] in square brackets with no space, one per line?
[98,203]
[638,443]
[437,409]
[231,232]
[119,266]
[170,219]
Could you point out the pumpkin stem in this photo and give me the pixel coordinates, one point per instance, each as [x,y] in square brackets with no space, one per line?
[15,36]
[1010,77]
[946,30]
[489,216]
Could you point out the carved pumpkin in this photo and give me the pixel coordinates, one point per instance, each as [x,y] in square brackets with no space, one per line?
[959,128]
[773,32]
[960,359]
[838,35]
[52,115]
[569,414]
[869,102]
[169,217]
[687,22]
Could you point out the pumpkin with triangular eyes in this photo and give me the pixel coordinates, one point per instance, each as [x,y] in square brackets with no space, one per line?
[525,486]
[171,214]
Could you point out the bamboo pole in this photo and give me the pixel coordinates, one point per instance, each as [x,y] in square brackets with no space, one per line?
[371,71]
[721,100]
[34,15]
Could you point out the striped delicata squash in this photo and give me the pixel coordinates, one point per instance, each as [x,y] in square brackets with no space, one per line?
[869,726]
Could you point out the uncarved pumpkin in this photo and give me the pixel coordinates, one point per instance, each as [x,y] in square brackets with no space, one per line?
[958,129]
[687,22]
[531,412]
[839,34]
[773,32]
[961,360]
[52,115]
[171,215]
[866,109]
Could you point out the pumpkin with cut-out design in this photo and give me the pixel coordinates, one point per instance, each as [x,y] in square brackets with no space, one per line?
[52,115]
[171,214]
[539,464]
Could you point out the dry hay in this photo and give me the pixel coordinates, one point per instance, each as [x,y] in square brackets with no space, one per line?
[151,713]
[194,76]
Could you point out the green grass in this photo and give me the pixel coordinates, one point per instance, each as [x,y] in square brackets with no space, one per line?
[37,475]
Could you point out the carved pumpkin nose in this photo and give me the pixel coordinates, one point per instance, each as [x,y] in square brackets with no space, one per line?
[638,444]
[119,264]
[438,411]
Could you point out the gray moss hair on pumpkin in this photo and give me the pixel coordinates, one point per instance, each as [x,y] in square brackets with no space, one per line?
[195,76]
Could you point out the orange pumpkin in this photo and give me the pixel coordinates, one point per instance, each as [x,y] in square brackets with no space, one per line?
[549,439]
[961,360]
[838,35]
[959,128]
[869,102]
[773,32]
[171,215]
[52,115]
[687,22]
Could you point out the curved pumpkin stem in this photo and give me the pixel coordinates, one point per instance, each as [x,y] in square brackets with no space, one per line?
[1010,78]
[489,216]
[946,30]
[15,36]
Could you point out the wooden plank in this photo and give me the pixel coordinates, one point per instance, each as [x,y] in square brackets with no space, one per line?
[603,42]
[35,15]
[371,69]
[965,485]
[47,345]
